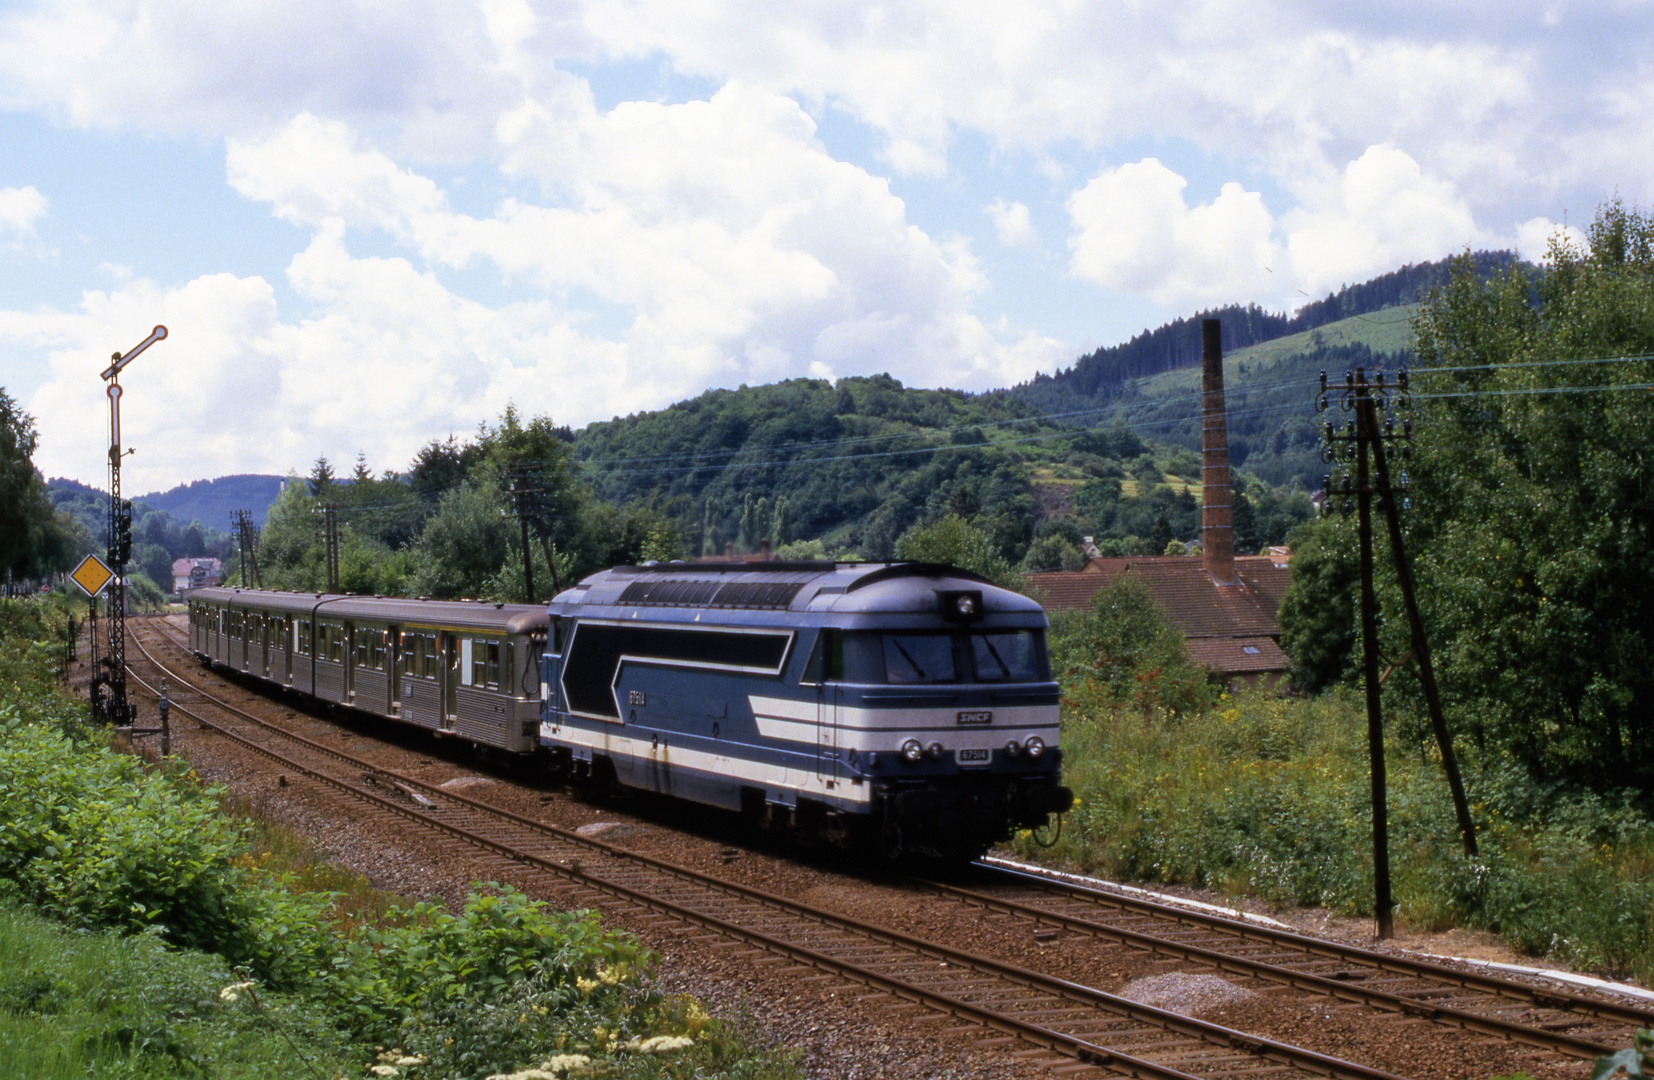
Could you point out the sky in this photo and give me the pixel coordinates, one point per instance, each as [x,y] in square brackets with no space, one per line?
[367,225]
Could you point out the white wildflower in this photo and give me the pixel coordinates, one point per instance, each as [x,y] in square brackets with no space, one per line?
[664,1044]
[234,991]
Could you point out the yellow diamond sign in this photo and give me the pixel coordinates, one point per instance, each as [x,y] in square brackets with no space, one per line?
[92,575]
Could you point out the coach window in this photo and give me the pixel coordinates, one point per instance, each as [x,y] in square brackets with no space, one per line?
[433,657]
[304,637]
[485,664]
[376,649]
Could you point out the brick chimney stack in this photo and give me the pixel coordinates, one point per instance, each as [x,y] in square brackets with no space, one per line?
[1217,533]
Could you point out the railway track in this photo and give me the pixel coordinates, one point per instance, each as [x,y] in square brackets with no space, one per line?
[1567,1023]
[1073,1022]
[1069,1021]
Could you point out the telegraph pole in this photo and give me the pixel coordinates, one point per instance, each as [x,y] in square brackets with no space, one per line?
[247,545]
[522,498]
[117,710]
[1367,400]
[330,526]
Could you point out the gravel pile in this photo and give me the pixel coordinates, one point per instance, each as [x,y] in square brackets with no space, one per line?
[1186,994]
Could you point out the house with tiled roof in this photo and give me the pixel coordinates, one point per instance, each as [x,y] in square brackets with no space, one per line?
[1227,605]
[196,573]
[1232,629]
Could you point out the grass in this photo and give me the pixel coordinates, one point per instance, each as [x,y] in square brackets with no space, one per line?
[74,1004]
[124,888]
[1269,798]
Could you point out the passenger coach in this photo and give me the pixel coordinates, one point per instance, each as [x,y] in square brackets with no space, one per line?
[467,668]
[903,705]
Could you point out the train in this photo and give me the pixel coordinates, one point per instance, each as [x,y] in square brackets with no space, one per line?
[894,708]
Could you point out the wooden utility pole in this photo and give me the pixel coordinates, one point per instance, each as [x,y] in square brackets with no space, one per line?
[1342,444]
[1382,902]
[1415,627]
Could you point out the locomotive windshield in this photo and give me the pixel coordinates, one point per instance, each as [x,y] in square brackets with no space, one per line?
[992,656]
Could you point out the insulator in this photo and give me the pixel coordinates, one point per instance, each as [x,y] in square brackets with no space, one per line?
[1349,507]
[1378,380]
[1349,429]
[1323,382]
[1407,428]
[1406,482]
[1349,379]
[1401,378]
[1389,427]
[1406,503]
[1406,451]
[1321,404]
[1326,482]
[1326,431]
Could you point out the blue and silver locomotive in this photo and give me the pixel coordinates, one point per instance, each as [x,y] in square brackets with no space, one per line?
[902,706]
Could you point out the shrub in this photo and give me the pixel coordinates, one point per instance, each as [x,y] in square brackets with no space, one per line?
[1268,797]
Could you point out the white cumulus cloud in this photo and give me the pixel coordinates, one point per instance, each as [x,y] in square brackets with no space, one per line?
[1134,231]
[1383,212]
[1011,223]
[20,208]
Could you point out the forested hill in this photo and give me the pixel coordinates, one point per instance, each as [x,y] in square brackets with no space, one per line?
[1177,344]
[212,502]
[854,464]
[851,467]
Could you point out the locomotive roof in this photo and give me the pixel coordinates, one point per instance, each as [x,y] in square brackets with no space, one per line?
[789,586]
[462,614]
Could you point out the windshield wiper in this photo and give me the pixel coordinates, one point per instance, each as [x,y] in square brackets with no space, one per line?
[988,643]
[908,657]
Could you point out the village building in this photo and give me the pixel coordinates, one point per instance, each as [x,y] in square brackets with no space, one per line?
[196,574]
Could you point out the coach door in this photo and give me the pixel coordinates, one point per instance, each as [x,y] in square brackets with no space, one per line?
[393,667]
[347,691]
[451,665]
[829,703]
[266,630]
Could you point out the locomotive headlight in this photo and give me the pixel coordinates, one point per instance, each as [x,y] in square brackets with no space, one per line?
[934,751]
[966,606]
[912,751]
[1035,746]
[1013,748]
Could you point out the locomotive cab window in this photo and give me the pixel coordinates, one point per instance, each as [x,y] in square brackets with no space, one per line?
[919,659]
[1010,656]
